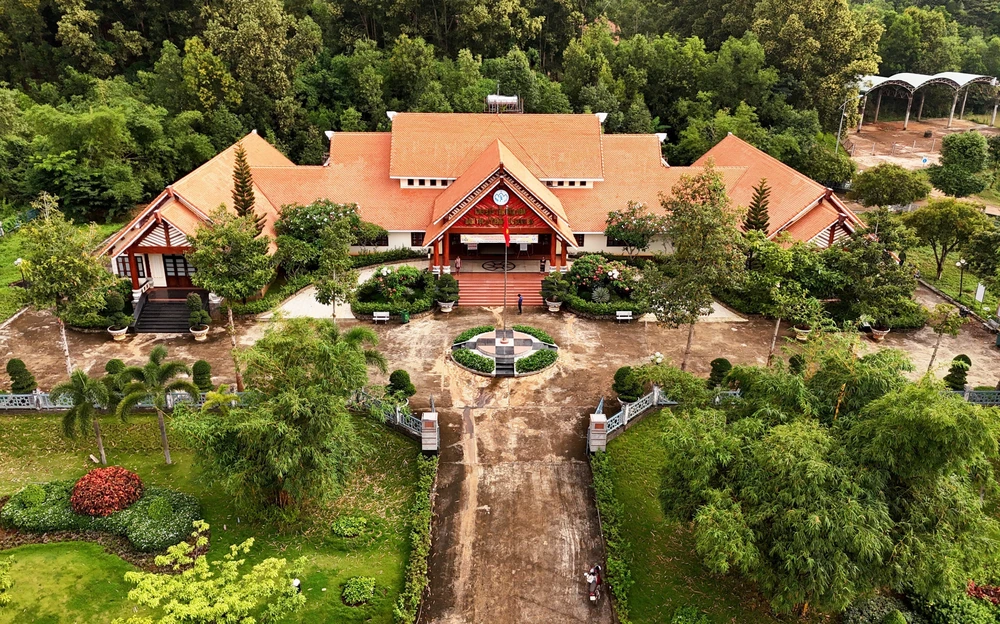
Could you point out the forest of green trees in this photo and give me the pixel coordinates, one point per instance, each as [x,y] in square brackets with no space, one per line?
[107,101]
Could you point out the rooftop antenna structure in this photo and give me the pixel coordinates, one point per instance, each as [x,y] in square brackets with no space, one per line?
[496,103]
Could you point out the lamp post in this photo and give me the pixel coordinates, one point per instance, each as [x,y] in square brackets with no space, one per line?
[18,263]
[961,276]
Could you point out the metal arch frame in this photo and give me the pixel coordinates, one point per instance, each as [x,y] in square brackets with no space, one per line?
[910,89]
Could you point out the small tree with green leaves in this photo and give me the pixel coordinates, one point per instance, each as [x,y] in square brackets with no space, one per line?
[244,199]
[114,382]
[635,227]
[336,278]
[231,261]
[945,319]
[21,379]
[154,381]
[85,393]
[212,592]
[963,158]
[889,185]
[555,287]
[446,289]
[757,214]
[947,224]
[958,372]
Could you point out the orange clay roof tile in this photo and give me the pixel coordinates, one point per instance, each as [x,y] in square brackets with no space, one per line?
[444,145]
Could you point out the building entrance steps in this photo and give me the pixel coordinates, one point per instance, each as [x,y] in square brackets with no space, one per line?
[486,289]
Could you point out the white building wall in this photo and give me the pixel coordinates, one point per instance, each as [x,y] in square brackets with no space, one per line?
[156,270]
[396,240]
[596,243]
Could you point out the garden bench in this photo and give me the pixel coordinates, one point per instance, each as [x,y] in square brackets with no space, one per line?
[623,315]
[380,316]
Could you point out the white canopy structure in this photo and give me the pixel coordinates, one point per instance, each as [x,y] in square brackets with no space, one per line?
[910,83]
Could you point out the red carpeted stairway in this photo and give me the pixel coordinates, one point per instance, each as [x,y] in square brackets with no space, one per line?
[486,289]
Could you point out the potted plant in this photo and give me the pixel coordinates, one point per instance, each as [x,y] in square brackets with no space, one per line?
[555,288]
[446,292]
[803,311]
[114,303]
[878,327]
[626,386]
[199,318]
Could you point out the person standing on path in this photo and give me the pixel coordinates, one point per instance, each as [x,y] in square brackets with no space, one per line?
[520,303]
[458,264]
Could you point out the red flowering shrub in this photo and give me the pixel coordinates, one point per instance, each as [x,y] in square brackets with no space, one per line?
[103,491]
[986,592]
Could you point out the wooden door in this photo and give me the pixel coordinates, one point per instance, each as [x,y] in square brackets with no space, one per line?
[178,272]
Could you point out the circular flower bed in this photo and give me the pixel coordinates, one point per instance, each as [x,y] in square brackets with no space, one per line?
[485,350]
[103,491]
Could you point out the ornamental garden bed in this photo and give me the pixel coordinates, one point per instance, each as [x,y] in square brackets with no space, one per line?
[395,290]
[517,352]
[599,287]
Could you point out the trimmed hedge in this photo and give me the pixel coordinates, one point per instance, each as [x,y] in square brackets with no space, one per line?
[536,361]
[139,523]
[619,575]
[368,308]
[601,310]
[472,332]
[273,297]
[358,590]
[876,609]
[366,259]
[415,581]
[534,331]
[476,362]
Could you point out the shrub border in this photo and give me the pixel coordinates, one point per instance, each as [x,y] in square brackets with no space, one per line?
[618,555]
[518,374]
[410,601]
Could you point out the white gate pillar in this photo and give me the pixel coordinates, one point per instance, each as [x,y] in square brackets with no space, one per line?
[597,433]
[430,433]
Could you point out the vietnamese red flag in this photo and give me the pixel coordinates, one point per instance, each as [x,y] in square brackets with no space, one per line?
[506,231]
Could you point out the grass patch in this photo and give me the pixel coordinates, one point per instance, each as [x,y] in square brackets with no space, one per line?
[381,488]
[665,570]
[923,259]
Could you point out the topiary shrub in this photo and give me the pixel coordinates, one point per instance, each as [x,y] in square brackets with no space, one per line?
[896,617]
[961,610]
[720,368]
[103,491]
[114,308]
[202,374]
[33,495]
[796,364]
[399,383]
[957,375]
[159,508]
[21,380]
[198,316]
[446,289]
[875,610]
[358,590]
[626,386]
[349,526]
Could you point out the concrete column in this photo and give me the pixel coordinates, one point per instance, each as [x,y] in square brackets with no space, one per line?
[552,253]
[965,97]
[437,257]
[430,433]
[134,270]
[565,250]
[597,433]
[906,120]
[993,120]
[920,109]
[447,251]
[861,117]
[954,102]
[878,105]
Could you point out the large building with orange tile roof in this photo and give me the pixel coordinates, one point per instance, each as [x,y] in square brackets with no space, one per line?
[443,182]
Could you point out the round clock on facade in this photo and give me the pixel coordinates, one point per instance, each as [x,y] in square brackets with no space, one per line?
[500,198]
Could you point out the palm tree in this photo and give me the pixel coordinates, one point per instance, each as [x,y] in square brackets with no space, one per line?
[360,339]
[153,382]
[85,394]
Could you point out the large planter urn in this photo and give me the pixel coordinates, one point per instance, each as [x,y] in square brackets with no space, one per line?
[118,334]
[553,305]
[446,306]
[802,333]
[878,335]
[200,333]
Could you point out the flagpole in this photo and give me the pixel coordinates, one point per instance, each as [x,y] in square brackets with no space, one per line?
[506,245]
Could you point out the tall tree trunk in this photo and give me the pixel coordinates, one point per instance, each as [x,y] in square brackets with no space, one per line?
[163,435]
[65,346]
[687,348]
[232,341]
[100,442]
[937,344]
[774,340]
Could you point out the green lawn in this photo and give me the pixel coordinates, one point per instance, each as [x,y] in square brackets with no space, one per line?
[78,582]
[923,259]
[10,250]
[665,568]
